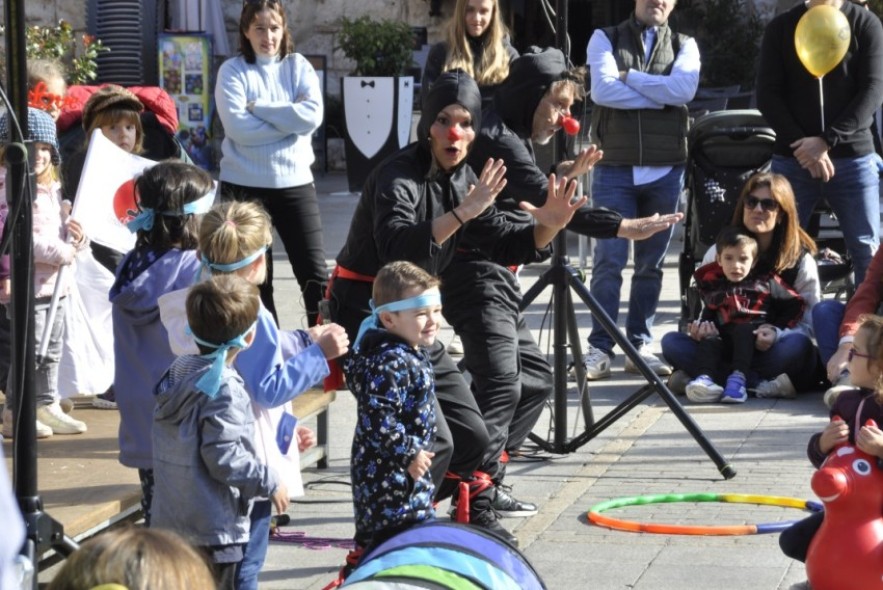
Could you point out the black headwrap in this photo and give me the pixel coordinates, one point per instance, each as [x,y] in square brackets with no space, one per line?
[530,76]
[455,87]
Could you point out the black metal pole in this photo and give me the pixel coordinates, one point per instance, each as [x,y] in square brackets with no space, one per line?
[42,531]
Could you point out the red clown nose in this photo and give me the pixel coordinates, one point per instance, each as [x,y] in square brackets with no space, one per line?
[454,134]
[570,125]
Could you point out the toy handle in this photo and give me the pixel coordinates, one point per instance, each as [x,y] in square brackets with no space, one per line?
[836,418]
[871,422]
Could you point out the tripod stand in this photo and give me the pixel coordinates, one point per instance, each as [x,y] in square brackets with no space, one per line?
[563,278]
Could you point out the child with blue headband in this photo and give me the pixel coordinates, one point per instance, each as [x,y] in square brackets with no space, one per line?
[391,376]
[234,238]
[206,466]
[171,197]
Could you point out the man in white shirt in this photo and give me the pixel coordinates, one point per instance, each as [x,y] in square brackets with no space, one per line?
[642,76]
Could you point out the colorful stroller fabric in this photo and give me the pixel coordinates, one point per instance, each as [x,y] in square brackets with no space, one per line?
[445,555]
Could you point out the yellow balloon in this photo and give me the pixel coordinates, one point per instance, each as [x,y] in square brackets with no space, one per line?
[821,39]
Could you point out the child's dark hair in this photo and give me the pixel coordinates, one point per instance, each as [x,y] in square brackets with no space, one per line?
[221,308]
[733,236]
[166,187]
[395,278]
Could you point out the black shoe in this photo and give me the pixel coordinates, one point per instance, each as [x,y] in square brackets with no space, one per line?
[487,519]
[506,505]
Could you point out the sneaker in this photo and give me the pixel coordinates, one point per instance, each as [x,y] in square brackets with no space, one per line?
[483,515]
[779,388]
[678,381]
[735,392]
[43,431]
[597,363]
[506,505]
[106,400]
[702,390]
[843,384]
[58,421]
[455,346]
[656,365]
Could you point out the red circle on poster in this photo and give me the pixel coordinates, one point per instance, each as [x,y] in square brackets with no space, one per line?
[124,205]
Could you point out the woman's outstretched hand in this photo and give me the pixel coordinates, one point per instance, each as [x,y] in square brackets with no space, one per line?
[560,204]
[482,195]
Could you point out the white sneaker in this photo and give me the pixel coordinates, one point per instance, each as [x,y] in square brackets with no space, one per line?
[779,388]
[455,346]
[60,423]
[43,431]
[702,390]
[843,384]
[656,365]
[597,363]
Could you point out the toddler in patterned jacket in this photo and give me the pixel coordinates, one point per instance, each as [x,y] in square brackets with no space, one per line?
[392,379]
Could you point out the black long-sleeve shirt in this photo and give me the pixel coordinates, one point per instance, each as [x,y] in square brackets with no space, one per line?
[788,95]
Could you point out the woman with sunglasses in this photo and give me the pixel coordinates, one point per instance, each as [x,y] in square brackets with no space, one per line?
[270,102]
[766,208]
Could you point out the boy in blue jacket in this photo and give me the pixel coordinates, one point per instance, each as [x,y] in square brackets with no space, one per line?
[206,469]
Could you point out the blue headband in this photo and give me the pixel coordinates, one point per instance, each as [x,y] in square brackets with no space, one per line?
[145,218]
[210,383]
[373,320]
[233,266]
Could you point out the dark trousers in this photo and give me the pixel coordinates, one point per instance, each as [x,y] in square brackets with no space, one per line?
[462,437]
[511,378]
[735,342]
[294,212]
[795,540]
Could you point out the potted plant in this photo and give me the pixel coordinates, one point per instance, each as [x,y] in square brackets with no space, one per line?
[378,98]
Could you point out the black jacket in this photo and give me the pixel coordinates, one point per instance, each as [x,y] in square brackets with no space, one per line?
[788,95]
[393,219]
[505,134]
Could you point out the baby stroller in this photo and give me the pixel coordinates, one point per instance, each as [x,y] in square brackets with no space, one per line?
[725,149]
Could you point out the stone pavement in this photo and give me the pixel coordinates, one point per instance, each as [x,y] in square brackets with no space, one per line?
[647,451]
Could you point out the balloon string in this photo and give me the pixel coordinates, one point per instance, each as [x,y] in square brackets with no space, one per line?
[822,103]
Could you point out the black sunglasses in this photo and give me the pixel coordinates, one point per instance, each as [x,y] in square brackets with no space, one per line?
[768,205]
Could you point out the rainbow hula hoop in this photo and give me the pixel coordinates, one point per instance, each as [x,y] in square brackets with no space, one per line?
[620,524]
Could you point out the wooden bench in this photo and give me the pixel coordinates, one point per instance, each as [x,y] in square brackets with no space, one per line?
[315,402]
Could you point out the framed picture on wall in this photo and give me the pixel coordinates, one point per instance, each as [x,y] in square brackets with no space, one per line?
[185,73]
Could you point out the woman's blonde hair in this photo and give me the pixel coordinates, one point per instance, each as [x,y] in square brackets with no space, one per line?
[233,231]
[137,559]
[789,239]
[494,65]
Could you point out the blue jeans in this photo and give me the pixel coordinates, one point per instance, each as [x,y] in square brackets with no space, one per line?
[826,318]
[255,553]
[613,187]
[854,196]
[793,354]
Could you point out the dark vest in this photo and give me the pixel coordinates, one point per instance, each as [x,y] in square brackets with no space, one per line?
[642,137]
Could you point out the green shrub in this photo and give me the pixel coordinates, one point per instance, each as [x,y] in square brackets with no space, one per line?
[379,48]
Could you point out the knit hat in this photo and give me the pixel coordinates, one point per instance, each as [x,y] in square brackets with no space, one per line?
[41,127]
[109,97]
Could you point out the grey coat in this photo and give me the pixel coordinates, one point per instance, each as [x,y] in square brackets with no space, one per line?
[205,467]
